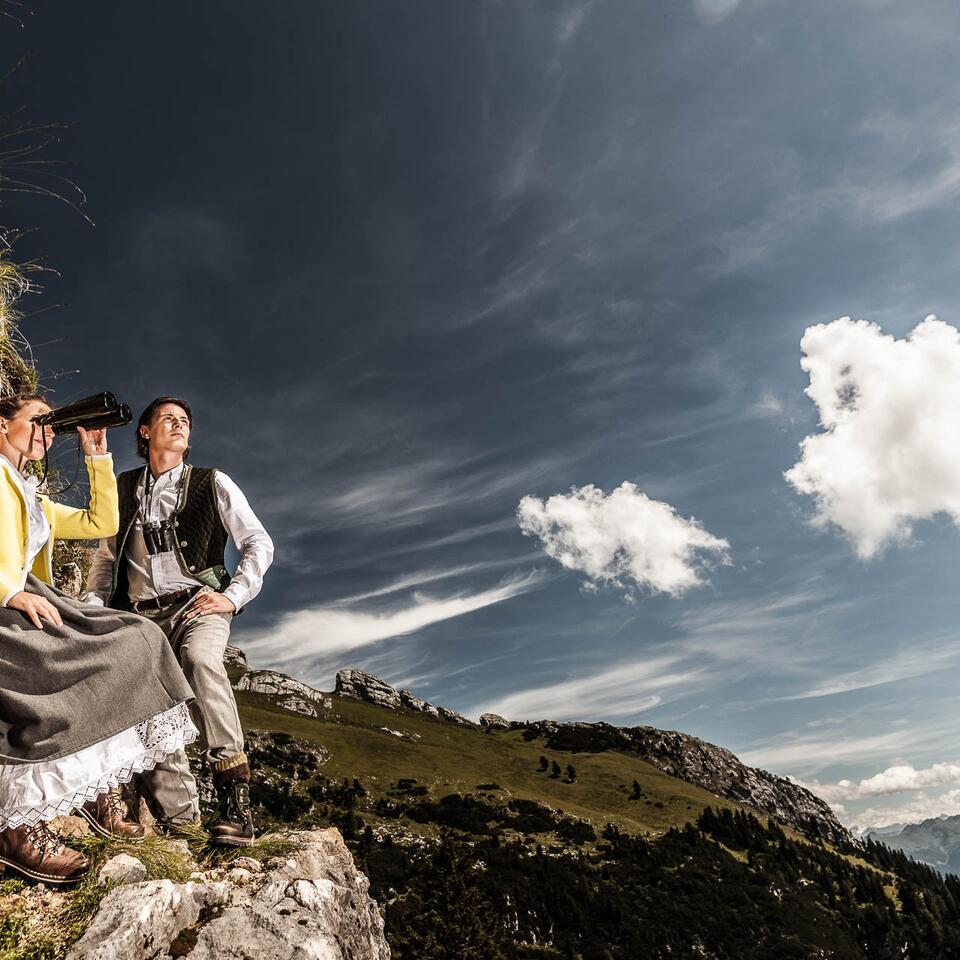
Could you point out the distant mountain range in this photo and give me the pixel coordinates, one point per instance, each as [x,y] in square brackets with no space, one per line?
[935,842]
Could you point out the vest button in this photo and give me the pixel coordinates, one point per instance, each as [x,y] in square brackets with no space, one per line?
[192,568]
[183,543]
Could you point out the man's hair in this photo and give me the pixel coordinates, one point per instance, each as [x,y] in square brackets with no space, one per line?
[11,406]
[143,447]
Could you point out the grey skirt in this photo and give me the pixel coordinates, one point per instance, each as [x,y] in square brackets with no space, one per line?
[65,688]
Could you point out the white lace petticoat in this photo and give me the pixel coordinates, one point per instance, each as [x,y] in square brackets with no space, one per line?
[30,792]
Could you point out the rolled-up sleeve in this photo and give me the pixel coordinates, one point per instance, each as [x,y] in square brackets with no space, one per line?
[250,538]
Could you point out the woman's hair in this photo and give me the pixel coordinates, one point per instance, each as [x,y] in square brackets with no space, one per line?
[143,447]
[11,406]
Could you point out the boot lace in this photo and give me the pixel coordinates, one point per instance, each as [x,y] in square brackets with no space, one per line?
[116,809]
[43,839]
[235,802]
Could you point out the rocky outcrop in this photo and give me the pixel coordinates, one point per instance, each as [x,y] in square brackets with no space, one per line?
[493,721]
[704,764]
[235,660]
[313,903]
[289,693]
[365,686]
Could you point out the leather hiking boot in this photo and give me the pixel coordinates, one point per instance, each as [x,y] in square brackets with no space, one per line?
[232,825]
[38,853]
[107,816]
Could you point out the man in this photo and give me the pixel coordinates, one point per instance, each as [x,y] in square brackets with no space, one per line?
[166,563]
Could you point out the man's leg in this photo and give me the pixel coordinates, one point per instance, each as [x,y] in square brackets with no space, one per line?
[200,643]
[170,789]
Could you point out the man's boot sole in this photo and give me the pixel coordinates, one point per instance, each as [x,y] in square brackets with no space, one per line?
[102,831]
[41,877]
[231,841]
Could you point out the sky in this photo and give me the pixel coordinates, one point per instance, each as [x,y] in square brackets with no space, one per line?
[586,359]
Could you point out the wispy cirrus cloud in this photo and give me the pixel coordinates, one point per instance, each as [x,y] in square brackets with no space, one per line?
[918,660]
[622,690]
[792,754]
[321,635]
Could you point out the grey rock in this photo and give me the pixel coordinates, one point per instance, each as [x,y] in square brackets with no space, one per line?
[455,717]
[70,579]
[365,686]
[236,658]
[412,702]
[122,869]
[312,905]
[290,694]
[493,721]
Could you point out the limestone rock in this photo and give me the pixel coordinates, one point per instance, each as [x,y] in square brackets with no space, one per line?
[455,717]
[413,702]
[70,579]
[365,686]
[122,869]
[493,721]
[313,904]
[235,658]
[276,684]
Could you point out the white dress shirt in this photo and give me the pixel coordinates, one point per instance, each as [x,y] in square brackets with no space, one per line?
[153,576]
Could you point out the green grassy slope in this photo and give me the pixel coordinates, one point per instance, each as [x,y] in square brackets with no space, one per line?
[447,758]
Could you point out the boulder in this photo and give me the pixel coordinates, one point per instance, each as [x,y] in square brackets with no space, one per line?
[122,869]
[365,686]
[313,903]
[493,721]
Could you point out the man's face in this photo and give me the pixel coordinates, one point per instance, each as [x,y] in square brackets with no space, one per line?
[169,429]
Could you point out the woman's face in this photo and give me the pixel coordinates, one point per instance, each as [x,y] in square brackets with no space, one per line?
[21,436]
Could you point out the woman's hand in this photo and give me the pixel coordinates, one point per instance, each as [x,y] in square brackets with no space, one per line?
[35,607]
[93,441]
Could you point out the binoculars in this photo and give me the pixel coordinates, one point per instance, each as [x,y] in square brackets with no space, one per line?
[92,413]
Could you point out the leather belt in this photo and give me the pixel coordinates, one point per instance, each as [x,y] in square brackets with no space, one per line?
[166,600]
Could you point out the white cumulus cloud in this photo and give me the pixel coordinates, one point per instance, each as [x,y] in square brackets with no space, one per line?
[625,538]
[892,780]
[888,453]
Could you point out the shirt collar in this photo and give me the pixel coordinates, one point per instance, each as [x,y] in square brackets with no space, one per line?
[170,476]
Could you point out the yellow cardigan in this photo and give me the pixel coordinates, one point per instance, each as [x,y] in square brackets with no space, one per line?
[100,519]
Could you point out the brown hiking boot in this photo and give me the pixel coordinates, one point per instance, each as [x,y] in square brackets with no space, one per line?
[232,824]
[38,853]
[107,816]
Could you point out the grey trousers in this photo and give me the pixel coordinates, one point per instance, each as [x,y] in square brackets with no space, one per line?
[199,643]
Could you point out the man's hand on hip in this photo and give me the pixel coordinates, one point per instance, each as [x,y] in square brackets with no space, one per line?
[209,602]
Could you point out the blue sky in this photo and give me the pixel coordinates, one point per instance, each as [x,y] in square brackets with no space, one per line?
[415,262]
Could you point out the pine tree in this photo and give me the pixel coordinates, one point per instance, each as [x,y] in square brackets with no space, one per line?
[571,774]
[544,763]
[450,918]
[555,770]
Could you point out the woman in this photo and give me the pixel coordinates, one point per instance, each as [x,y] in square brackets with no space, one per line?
[88,696]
